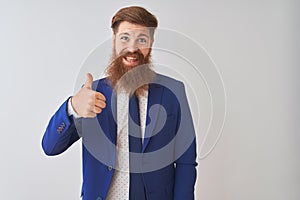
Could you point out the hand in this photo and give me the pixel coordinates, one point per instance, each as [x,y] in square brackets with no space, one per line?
[88,103]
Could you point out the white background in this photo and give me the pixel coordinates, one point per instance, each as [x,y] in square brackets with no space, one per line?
[254,43]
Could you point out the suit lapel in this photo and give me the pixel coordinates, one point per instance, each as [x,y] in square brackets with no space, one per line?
[154,97]
[108,119]
[113,117]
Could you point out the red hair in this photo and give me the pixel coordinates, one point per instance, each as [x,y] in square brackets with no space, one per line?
[134,15]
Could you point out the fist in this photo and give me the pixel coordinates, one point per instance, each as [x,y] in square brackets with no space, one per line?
[88,103]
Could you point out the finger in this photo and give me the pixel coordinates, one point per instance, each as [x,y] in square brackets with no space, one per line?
[97,110]
[89,81]
[100,103]
[100,96]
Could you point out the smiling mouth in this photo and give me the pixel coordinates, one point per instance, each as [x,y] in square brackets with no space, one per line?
[130,60]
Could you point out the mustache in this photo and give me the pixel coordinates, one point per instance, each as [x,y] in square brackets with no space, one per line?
[136,54]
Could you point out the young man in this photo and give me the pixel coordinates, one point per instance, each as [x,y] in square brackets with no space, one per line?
[136,127]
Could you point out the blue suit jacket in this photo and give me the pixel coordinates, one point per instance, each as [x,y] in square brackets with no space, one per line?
[167,162]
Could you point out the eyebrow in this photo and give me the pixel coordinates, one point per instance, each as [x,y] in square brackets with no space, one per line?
[140,35]
[124,34]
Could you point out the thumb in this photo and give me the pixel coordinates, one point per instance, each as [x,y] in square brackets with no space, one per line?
[89,81]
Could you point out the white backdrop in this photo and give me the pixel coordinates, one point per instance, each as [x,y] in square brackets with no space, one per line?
[255,45]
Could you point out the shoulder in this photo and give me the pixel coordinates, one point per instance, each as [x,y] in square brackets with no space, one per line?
[169,83]
[160,78]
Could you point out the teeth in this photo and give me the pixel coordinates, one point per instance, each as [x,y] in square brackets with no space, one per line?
[131,58]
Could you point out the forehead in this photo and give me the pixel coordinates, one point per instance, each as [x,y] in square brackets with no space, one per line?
[129,28]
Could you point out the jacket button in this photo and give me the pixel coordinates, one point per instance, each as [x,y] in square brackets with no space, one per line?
[110,168]
[59,129]
[99,198]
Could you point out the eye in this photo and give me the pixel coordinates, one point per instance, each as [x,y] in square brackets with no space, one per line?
[142,40]
[124,38]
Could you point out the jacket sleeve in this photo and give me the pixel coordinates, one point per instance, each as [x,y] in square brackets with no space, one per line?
[185,150]
[60,133]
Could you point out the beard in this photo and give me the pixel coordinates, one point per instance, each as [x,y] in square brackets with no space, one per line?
[134,79]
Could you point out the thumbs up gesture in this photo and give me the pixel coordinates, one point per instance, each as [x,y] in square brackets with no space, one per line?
[88,103]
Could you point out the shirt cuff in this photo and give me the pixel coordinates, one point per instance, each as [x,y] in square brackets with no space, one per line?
[71,110]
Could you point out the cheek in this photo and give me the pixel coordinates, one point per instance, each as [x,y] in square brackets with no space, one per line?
[119,48]
[145,51]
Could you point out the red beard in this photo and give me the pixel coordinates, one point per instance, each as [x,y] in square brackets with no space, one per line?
[133,78]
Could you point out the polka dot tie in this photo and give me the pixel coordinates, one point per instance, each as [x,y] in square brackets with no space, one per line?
[143,101]
[119,188]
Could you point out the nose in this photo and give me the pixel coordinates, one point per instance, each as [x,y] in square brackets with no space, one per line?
[132,47]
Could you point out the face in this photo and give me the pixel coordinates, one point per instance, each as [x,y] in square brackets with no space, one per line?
[132,38]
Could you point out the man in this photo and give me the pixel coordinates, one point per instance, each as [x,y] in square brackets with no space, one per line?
[136,127]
